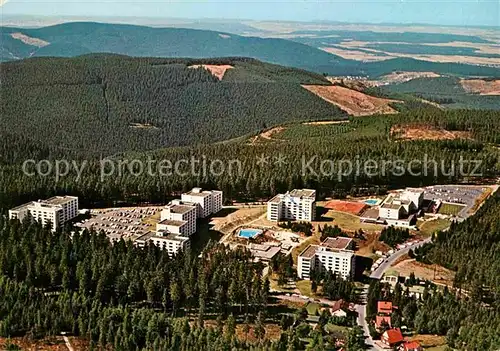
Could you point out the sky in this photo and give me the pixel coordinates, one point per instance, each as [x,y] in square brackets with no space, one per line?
[448,12]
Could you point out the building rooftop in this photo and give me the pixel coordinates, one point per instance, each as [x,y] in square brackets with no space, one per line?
[145,237]
[266,252]
[180,209]
[202,194]
[276,199]
[393,336]
[383,306]
[309,251]
[21,207]
[165,235]
[173,222]
[59,200]
[307,193]
[391,206]
[339,243]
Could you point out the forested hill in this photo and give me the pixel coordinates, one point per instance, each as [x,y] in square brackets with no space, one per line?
[78,38]
[107,104]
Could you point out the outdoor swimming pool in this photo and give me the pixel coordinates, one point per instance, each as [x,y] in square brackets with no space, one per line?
[371,202]
[249,233]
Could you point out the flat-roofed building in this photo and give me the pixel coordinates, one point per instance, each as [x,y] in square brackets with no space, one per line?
[333,254]
[391,211]
[57,210]
[264,252]
[400,209]
[298,204]
[178,217]
[207,202]
[165,240]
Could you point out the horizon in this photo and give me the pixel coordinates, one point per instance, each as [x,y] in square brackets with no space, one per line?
[144,19]
[483,13]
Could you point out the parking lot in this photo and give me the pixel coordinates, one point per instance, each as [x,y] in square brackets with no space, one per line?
[117,223]
[464,195]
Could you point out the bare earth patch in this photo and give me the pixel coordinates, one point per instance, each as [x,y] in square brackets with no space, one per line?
[434,273]
[267,135]
[482,87]
[355,54]
[29,40]
[367,247]
[350,45]
[217,70]
[425,132]
[142,126]
[400,77]
[322,123]
[353,102]
[428,340]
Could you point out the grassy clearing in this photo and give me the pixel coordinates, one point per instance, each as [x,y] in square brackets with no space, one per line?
[427,228]
[152,220]
[450,209]
[430,342]
[350,223]
[304,287]
[312,308]
[313,240]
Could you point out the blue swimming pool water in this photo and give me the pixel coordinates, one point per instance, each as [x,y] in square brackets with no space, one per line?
[371,201]
[249,233]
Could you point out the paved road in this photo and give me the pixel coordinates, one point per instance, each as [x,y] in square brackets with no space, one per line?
[377,274]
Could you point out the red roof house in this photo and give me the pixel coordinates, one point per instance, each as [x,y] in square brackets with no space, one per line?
[381,320]
[412,346]
[392,337]
[384,307]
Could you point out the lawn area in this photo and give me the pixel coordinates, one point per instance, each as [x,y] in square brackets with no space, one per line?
[152,220]
[350,223]
[450,209]
[427,228]
[312,308]
[436,348]
[312,240]
[430,342]
[305,288]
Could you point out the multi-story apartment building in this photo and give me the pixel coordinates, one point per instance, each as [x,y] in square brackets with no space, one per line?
[333,254]
[207,202]
[297,205]
[397,209]
[165,240]
[57,210]
[179,218]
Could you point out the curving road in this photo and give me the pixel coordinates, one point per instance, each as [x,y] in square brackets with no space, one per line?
[377,274]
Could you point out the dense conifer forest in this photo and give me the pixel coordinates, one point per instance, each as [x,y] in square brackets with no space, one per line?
[108,104]
[123,297]
[469,316]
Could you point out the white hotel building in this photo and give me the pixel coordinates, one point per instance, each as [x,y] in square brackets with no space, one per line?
[57,210]
[299,205]
[333,254]
[207,202]
[178,220]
